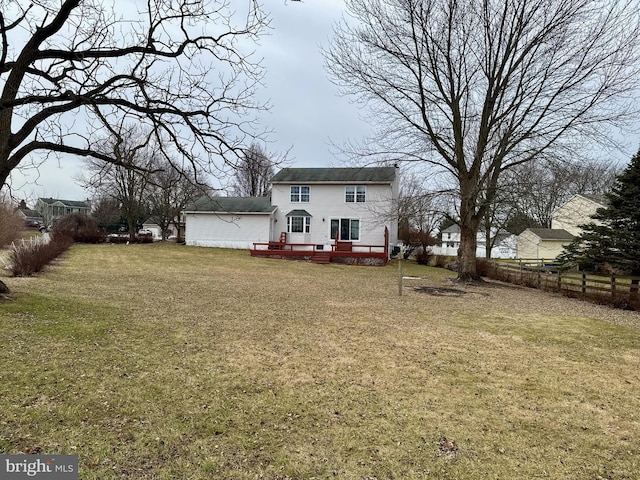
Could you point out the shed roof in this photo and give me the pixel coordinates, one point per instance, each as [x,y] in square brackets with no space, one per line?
[557,234]
[232,205]
[336,175]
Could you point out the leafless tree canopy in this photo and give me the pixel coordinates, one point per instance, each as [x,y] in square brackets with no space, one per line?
[168,194]
[479,87]
[181,68]
[126,179]
[539,188]
[252,178]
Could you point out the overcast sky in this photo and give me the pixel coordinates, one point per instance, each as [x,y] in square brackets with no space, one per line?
[307,112]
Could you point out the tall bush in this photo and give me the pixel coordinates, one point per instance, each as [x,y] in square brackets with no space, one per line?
[10,224]
[79,227]
[29,257]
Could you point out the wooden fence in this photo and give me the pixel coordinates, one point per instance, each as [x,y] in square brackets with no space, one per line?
[547,275]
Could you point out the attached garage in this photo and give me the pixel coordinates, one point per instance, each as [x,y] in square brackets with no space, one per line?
[229,222]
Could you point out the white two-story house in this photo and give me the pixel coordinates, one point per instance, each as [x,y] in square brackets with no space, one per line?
[319,205]
[310,207]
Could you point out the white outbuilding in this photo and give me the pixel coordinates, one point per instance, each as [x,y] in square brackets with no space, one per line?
[229,222]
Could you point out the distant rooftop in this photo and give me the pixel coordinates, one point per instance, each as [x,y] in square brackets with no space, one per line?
[601,199]
[68,203]
[551,234]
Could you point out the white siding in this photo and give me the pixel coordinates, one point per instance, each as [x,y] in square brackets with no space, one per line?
[327,201]
[577,211]
[527,245]
[226,230]
[531,245]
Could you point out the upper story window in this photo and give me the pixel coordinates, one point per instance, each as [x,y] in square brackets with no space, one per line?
[299,193]
[355,194]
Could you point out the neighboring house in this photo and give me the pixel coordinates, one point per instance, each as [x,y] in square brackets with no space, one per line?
[548,243]
[577,211]
[310,206]
[53,208]
[229,222]
[31,218]
[504,245]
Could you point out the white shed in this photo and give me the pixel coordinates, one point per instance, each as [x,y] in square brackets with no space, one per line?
[229,222]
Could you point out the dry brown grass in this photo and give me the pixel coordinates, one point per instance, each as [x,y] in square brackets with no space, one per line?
[161,361]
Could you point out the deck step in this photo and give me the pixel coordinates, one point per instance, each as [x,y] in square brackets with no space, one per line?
[321,257]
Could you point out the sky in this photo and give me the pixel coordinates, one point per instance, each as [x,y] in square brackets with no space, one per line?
[307,116]
[307,112]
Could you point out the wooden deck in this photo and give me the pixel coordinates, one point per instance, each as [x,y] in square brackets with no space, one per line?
[340,252]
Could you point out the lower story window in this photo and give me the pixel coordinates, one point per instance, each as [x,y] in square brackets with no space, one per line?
[347,228]
[298,224]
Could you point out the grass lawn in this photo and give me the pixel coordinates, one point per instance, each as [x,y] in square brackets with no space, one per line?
[174,362]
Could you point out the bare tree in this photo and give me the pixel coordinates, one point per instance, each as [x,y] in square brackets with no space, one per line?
[72,68]
[539,188]
[252,177]
[477,88]
[168,194]
[106,212]
[419,212]
[127,178]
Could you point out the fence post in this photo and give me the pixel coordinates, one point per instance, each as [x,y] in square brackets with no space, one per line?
[613,286]
[520,271]
[559,281]
[539,270]
[584,284]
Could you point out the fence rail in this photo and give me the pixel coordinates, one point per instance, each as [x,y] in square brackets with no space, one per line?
[547,275]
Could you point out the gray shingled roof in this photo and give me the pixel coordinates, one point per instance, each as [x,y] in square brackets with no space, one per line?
[551,234]
[601,199]
[28,213]
[335,175]
[232,205]
[68,203]
[298,213]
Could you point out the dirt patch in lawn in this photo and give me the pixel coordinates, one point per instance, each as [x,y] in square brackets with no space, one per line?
[440,291]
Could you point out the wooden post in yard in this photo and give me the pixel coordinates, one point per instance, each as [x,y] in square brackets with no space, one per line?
[584,284]
[400,274]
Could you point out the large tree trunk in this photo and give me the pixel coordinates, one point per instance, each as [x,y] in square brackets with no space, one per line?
[488,241]
[469,223]
[132,223]
[467,267]
[3,288]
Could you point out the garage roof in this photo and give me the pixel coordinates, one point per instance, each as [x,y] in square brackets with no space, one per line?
[232,205]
